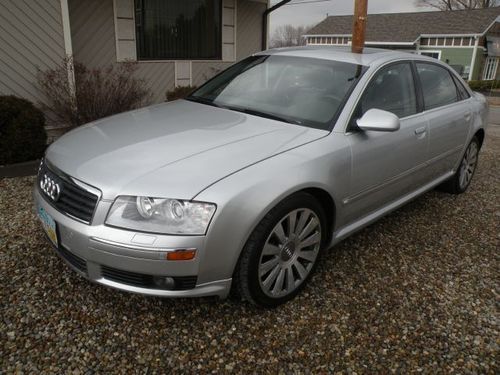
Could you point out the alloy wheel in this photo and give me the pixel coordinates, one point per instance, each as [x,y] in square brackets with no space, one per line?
[468,166]
[289,253]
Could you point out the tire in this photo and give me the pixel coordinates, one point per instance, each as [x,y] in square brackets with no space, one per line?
[461,180]
[275,263]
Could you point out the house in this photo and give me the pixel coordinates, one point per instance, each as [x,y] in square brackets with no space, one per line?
[175,42]
[468,40]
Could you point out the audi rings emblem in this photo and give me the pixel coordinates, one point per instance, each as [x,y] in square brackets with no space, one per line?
[50,187]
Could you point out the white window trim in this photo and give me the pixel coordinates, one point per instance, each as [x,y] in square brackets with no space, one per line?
[68,45]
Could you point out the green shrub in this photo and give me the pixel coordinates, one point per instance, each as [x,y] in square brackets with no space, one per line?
[22,131]
[180,92]
[484,85]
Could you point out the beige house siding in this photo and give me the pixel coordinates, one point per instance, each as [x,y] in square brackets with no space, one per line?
[249,31]
[94,24]
[31,38]
[92,31]
[202,71]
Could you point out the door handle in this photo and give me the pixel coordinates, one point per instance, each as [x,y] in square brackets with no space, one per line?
[421,130]
[467,116]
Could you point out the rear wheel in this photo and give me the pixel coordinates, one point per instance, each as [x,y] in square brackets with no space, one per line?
[463,177]
[282,252]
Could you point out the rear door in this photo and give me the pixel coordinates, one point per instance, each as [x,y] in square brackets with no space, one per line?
[387,165]
[449,115]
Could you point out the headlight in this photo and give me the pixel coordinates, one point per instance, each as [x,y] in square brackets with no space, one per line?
[160,215]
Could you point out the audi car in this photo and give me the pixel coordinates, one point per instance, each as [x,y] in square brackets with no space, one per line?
[242,185]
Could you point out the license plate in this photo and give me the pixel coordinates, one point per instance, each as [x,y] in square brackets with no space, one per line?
[48,224]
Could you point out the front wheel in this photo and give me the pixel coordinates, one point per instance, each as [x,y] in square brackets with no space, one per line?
[282,252]
[463,177]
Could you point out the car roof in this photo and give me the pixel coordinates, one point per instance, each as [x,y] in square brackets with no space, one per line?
[367,58]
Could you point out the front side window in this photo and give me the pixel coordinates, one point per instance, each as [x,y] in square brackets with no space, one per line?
[391,90]
[178,29]
[303,91]
[437,85]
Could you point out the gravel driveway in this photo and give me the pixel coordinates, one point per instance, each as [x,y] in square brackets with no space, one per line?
[418,291]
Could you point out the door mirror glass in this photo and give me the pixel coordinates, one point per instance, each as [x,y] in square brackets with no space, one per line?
[378,120]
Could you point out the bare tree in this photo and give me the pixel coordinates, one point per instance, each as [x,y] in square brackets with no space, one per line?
[457,4]
[288,36]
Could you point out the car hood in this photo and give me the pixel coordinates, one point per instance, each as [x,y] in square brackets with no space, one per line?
[172,150]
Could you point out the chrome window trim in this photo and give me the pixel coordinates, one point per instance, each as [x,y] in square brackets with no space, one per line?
[411,61]
[368,81]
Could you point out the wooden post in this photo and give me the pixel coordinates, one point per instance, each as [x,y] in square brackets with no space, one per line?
[359,25]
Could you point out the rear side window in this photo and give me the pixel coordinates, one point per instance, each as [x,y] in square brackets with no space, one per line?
[392,90]
[462,91]
[437,85]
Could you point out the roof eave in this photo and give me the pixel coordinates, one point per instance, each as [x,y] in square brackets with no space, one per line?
[390,43]
[367,42]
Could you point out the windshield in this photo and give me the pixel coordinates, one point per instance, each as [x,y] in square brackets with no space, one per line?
[298,90]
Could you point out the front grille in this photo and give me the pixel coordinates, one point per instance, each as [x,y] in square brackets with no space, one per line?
[72,259]
[66,196]
[145,281]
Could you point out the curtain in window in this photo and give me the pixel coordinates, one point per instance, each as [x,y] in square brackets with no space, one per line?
[178,29]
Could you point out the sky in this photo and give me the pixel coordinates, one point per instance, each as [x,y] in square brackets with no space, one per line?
[310,14]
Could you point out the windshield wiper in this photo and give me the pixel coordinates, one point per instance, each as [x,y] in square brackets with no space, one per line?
[199,99]
[265,115]
[249,111]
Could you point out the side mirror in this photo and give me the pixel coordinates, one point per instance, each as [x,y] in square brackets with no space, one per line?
[378,120]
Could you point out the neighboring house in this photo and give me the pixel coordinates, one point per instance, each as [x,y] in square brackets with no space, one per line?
[175,42]
[468,40]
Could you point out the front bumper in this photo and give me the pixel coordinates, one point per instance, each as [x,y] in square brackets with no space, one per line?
[129,260]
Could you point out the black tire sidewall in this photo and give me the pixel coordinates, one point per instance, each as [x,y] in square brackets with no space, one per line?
[256,244]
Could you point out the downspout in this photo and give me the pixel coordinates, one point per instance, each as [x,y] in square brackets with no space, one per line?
[265,17]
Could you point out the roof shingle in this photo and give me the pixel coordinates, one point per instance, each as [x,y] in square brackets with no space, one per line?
[407,27]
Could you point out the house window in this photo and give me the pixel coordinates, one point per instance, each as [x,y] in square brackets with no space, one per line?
[433,54]
[176,29]
[490,68]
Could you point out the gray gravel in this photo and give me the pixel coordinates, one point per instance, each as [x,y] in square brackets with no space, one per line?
[418,291]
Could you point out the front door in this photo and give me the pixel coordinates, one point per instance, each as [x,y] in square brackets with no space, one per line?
[387,165]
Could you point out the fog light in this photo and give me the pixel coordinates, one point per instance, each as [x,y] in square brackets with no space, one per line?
[186,254]
[164,282]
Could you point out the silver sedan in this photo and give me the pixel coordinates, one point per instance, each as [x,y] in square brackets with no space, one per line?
[242,185]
